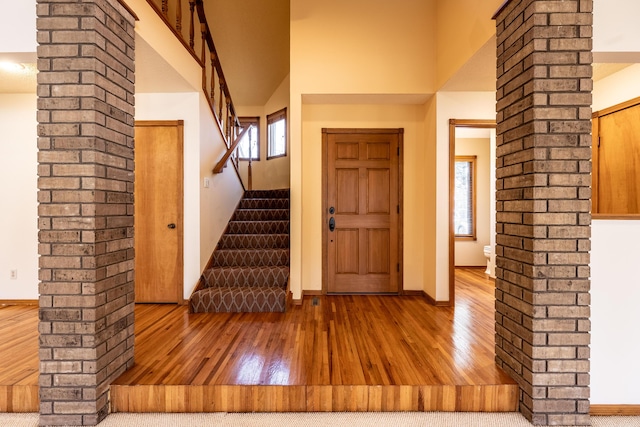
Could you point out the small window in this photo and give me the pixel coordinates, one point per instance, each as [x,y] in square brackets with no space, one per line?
[464,213]
[277,134]
[249,145]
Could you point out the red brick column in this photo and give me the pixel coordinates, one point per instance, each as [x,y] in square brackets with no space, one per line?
[543,205]
[85,128]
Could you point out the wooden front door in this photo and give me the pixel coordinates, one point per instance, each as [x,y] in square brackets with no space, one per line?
[158,211]
[362,222]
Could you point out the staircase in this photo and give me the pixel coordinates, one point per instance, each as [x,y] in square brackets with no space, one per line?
[250,265]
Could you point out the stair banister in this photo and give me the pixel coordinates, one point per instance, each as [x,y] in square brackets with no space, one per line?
[172,12]
[223,161]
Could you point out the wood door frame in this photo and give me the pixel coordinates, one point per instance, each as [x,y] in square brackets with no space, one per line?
[180,220]
[325,192]
[453,123]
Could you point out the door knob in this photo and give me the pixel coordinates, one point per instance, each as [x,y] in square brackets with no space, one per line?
[171,226]
[332,224]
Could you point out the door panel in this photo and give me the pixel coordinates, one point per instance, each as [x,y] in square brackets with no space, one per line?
[362,195]
[618,161]
[378,244]
[346,242]
[378,191]
[347,181]
[158,211]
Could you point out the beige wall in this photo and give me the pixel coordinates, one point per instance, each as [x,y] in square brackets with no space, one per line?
[363,46]
[463,27]
[274,173]
[409,117]
[355,49]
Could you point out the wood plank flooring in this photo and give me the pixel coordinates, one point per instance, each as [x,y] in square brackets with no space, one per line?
[348,353]
[19,359]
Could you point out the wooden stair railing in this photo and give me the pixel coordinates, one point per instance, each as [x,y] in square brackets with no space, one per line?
[203,50]
[230,151]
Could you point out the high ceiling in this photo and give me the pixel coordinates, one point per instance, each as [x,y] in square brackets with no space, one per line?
[252,40]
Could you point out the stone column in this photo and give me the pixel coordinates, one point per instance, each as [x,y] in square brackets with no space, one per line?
[85,169]
[543,205]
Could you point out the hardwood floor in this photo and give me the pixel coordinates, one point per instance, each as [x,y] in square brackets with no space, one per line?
[19,359]
[347,353]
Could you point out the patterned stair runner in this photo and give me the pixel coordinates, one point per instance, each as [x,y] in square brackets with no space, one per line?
[250,266]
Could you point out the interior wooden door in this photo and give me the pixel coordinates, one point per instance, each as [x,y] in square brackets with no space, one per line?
[617,161]
[362,210]
[158,211]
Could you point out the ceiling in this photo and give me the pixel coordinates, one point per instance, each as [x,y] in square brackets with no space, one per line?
[22,79]
[253,45]
[479,73]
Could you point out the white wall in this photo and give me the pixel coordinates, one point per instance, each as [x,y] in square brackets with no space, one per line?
[617,88]
[616,33]
[18,29]
[470,253]
[18,192]
[218,202]
[615,286]
[615,317]
[18,162]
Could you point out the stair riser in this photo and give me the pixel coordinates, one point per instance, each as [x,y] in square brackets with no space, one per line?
[254,241]
[258,227]
[243,276]
[250,266]
[261,215]
[222,258]
[232,300]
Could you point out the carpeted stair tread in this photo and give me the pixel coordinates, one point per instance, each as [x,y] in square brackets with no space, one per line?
[264,204]
[254,241]
[260,215]
[258,227]
[250,265]
[247,276]
[233,299]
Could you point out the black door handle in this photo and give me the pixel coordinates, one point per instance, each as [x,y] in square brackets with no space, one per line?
[332,224]
[171,226]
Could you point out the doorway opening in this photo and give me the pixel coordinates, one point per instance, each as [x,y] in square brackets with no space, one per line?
[463,225]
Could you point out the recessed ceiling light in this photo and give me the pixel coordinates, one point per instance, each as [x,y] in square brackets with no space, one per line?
[11,66]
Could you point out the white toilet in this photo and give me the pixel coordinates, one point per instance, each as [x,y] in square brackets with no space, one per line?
[487,254]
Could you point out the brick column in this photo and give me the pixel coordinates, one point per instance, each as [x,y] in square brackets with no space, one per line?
[543,205]
[85,128]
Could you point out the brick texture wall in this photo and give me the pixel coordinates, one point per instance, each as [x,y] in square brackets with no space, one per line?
[85,168]
[543,205]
